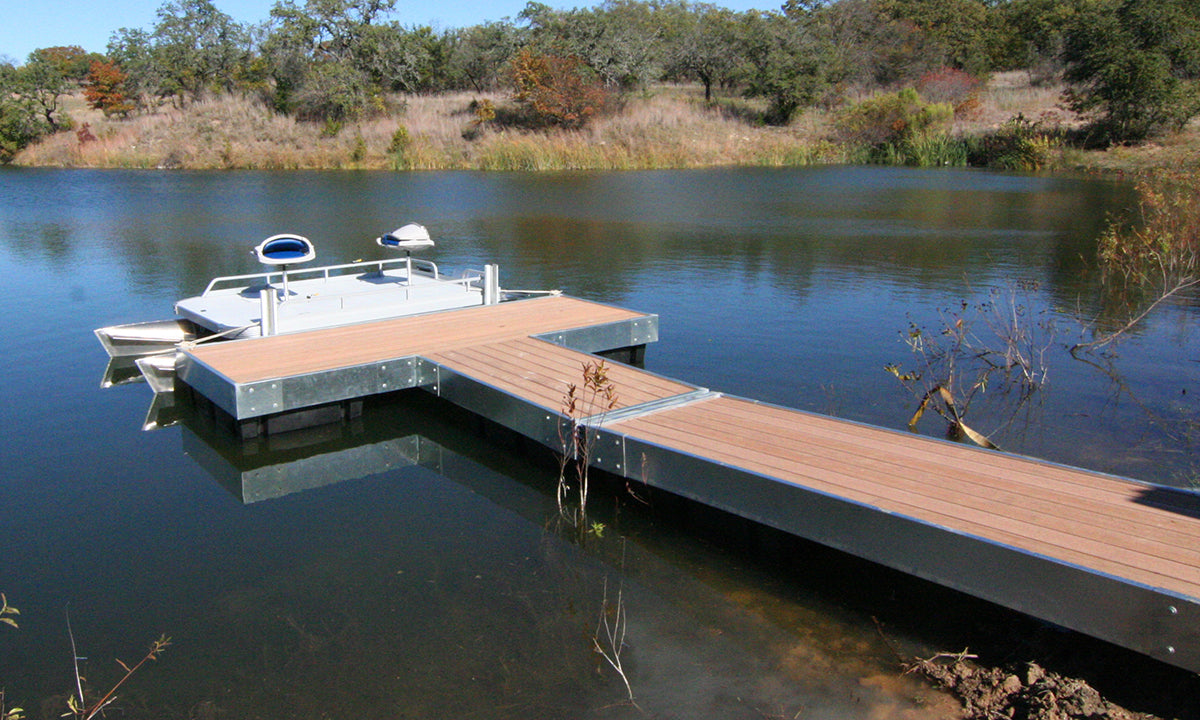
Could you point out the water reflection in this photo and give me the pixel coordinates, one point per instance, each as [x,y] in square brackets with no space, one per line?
[272,466]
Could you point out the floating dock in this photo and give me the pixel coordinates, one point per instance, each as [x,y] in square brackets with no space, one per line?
[1109,557]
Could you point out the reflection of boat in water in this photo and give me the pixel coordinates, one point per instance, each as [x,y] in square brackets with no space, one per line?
[285,300]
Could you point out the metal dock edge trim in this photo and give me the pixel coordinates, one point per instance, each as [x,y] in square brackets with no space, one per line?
[606,336]
[499,406]
[1152,621]
[206,380]
[250,400]
[649,407]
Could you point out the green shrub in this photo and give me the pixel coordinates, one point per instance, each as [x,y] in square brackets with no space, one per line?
[330,128]
[1019,144]
[400,141]
[900,129]
[1160,247]
[20,126]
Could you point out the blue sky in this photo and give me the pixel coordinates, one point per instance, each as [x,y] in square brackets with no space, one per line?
[26,25]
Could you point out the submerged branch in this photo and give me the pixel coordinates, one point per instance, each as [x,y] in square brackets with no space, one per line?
[1135,320]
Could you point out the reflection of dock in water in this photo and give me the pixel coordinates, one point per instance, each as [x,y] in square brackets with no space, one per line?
[1109,557]
[306,459]
[264,477]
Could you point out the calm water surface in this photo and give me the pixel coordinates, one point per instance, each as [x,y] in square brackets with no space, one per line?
[410,566]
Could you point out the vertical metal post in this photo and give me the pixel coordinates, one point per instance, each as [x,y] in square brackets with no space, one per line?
[267,320]
[491,284]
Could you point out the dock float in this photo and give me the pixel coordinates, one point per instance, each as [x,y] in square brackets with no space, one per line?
[1106,556]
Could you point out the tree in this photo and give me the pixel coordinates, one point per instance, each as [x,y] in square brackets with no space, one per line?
[1029,34]
[20,122]
[874,47]
[70,61]
[705,46]
[479,54]
[104,89]
[43,84]
[133,51]
[333,90]
[332,59]
[198,48]
[619,40]
[1134,66]
[559,90]
[790,63]
[955,31]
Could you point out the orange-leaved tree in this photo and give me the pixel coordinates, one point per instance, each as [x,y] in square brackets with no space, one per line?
[104,89]
[560,90]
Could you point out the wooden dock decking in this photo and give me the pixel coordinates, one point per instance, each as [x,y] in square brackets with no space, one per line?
[1110,557]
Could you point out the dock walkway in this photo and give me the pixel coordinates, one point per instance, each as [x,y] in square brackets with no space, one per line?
[1107,556]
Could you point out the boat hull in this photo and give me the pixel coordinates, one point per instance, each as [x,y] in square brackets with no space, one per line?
[145,338]
[159,371]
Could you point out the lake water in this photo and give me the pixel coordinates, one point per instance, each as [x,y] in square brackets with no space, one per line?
[409,565]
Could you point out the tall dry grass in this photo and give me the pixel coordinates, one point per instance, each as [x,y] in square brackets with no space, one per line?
[667,127]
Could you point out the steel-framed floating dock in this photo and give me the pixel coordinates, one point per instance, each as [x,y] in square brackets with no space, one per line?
[1106,556]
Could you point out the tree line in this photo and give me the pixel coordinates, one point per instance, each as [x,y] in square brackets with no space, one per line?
[1132,66]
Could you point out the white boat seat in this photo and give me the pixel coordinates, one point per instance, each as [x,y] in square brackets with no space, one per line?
[285,250]
[408,237]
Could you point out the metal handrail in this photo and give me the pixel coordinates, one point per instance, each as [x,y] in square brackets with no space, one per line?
[425,267]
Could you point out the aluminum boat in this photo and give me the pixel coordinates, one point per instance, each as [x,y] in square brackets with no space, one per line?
[288,300]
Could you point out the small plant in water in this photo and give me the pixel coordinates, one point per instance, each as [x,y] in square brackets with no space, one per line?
[6,613]
[78,705]
[584,408]
[608,641]
[609,638]
[994,345]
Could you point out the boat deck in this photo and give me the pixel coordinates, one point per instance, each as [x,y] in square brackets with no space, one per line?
[326,300]
[1109,557]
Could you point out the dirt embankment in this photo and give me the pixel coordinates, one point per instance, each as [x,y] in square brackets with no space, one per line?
[1025,693]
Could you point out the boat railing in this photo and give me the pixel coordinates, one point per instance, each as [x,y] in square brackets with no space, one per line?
[424,267]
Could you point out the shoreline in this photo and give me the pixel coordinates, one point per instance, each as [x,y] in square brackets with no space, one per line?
[669,127]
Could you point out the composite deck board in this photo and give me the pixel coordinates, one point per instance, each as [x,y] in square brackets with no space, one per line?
[785,457]
[542,373]
[884,493]
[302,353]
[949,484]
[1094,521]
[1054,486]
[1011,483]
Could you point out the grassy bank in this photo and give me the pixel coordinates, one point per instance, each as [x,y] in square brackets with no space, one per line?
[667,127]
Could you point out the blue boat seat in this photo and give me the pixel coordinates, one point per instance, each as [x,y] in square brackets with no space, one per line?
[285,250]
